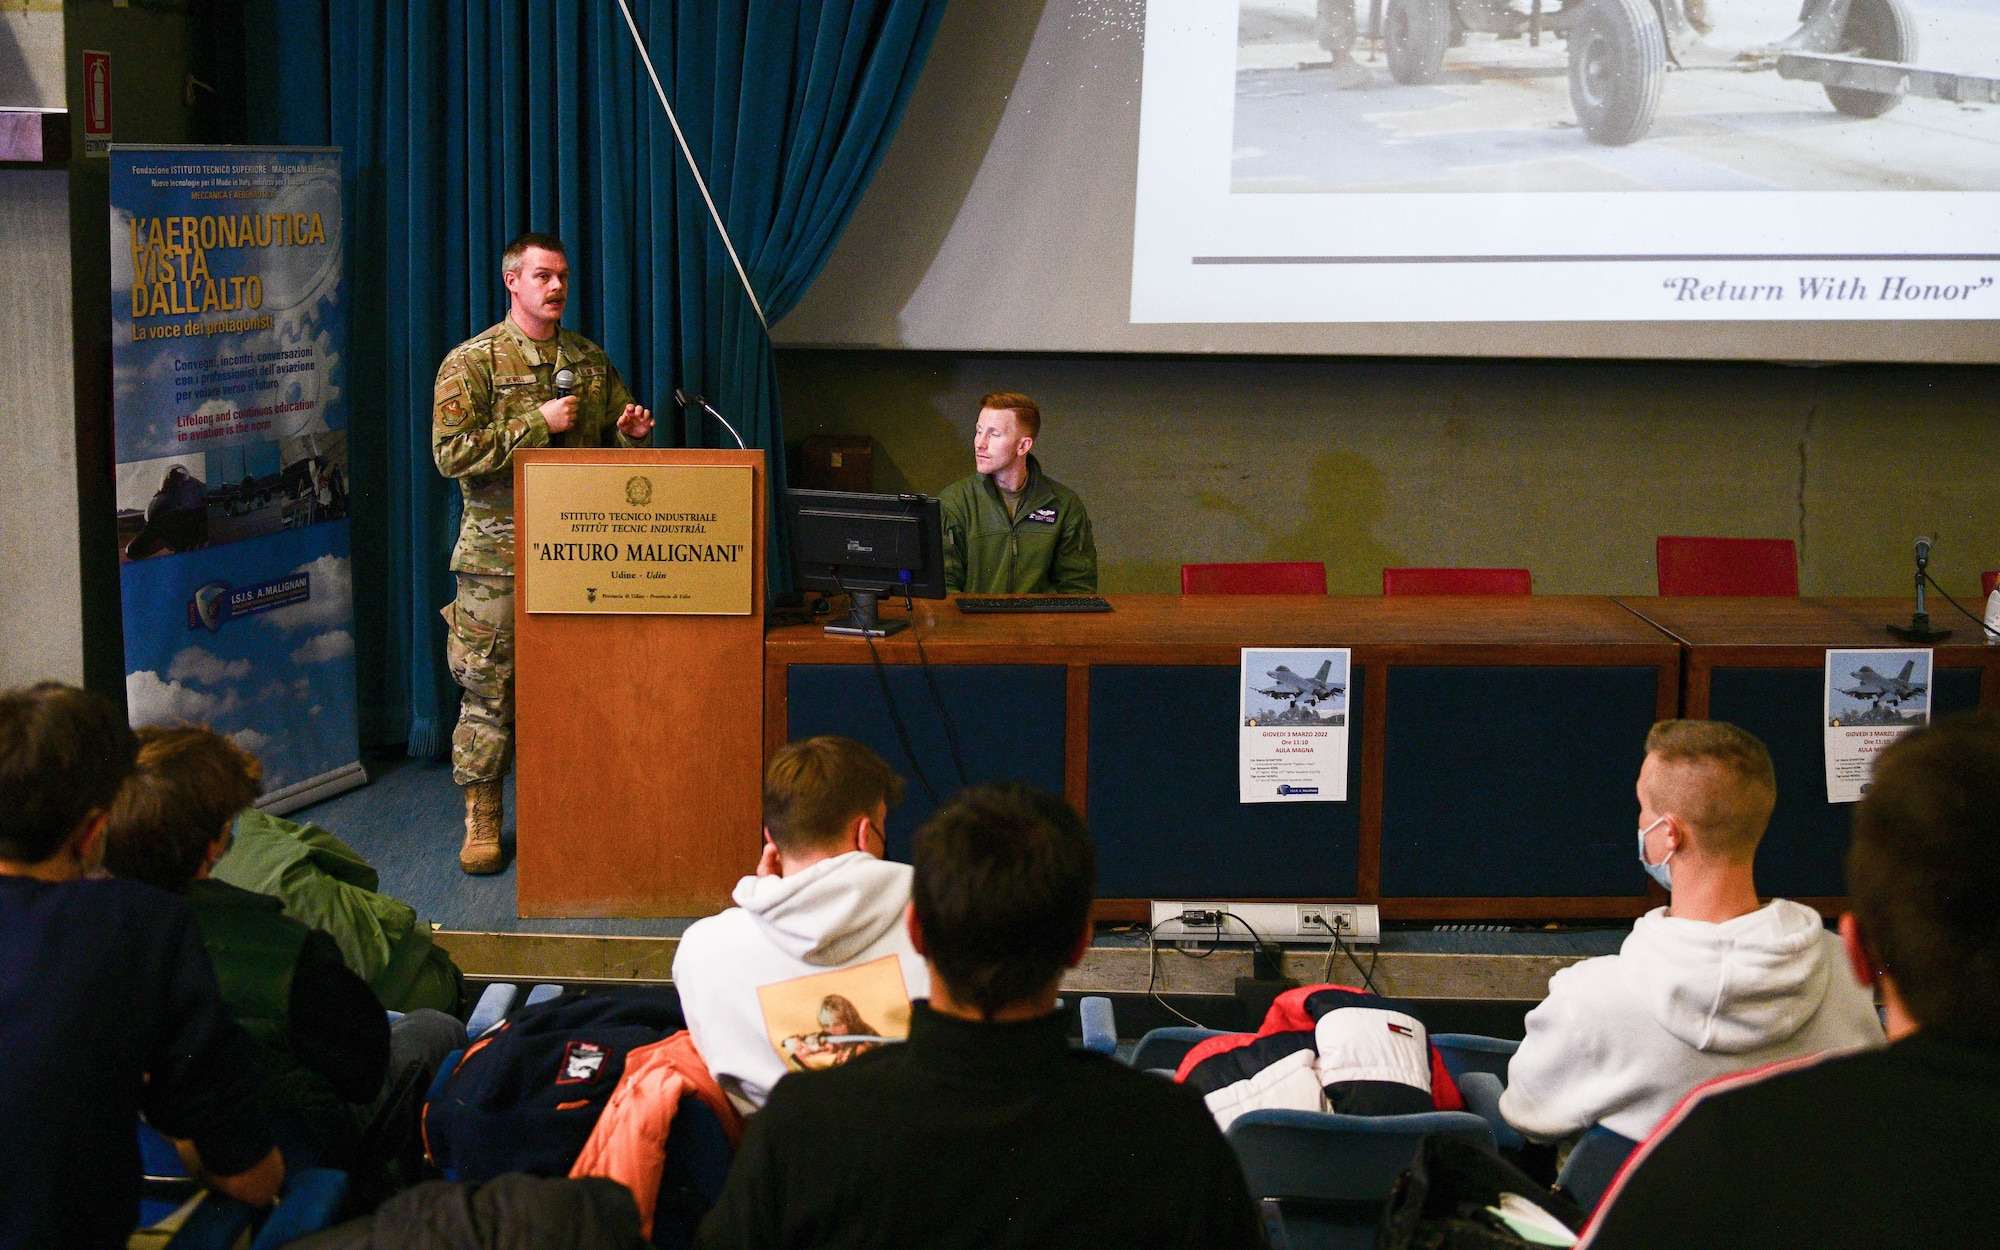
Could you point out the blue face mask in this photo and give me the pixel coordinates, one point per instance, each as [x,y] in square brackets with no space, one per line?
[1659,872]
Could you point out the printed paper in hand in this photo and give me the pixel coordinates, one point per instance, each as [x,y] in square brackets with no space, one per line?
[1293,726]
[1872,699]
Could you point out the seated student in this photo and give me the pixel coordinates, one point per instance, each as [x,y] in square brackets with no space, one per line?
[1713,983]
[986,1128]
[108,1009]
[324,885]
[1882,1148]
[822,917]
[325,1043]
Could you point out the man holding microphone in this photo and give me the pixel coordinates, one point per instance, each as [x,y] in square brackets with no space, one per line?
[525,382]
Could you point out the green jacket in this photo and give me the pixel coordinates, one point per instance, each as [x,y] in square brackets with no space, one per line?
[1046,548]
[254,948]
[489,393]
[325,885]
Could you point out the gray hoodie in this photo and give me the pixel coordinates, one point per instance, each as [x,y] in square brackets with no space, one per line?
[1621,1039]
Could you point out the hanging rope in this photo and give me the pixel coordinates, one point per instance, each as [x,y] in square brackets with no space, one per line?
[688,155]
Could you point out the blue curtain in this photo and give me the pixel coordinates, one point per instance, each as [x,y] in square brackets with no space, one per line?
[466,122]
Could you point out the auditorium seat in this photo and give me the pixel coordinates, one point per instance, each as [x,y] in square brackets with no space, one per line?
[308,1201]
[1296,577]
[1331,1174]
[1987,580]
[1469,1052]
[1728,566]
[1481,1092]
[1163,1049]
[1593,1164]
[1457,582]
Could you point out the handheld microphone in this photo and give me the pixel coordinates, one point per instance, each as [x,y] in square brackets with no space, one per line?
[565,381]
[1919,629]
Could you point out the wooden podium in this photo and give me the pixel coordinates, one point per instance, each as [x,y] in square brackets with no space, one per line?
[639,687]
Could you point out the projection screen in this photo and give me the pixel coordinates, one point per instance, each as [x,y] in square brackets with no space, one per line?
[1659,178]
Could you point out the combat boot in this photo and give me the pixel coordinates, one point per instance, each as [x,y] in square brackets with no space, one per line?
[481,852]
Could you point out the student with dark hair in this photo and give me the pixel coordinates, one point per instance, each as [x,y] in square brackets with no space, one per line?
[823,899]
[987,1128]
[324,1041]
[1895,1147]
[108,1009]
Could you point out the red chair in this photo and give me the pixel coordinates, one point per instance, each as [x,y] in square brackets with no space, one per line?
[1297,577]
[1987,581]
[1728,566]
[1457,582]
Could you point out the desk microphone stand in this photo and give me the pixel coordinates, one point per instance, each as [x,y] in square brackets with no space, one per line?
[1919,629]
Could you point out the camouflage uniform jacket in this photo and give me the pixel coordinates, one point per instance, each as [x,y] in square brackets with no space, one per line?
[489,393]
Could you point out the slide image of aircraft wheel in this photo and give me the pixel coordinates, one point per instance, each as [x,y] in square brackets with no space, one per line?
[1617,59]
[1881,30]
[1418,31]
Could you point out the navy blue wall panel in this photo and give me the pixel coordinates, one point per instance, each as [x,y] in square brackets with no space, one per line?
[1009,720]
[1804,852]
[1514,780]
[1163,786]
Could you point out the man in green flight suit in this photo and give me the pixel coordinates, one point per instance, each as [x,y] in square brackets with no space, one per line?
[1010,529]
[496,392]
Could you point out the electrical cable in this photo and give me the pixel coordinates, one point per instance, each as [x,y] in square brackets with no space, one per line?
[1152,976]
[1368,973]
[1978,620]
[937,699]
[895,713]
[687,154]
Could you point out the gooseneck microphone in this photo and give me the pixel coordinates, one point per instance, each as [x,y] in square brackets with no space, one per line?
[686,400]
[1919,629]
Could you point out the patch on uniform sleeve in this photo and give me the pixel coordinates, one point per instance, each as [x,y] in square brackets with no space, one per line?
[449,402]
[1045,516]
[583,1063]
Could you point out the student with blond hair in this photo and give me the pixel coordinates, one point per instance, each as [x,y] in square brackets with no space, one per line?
[1714,982]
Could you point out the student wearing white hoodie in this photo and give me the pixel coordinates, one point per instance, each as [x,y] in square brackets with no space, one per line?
[822,900]
[1710,984]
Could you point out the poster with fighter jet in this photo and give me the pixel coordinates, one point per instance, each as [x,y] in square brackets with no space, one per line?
[232,479]
[1872,698]
[1292,725]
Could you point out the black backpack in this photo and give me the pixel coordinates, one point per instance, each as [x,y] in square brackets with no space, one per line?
[1440,1203]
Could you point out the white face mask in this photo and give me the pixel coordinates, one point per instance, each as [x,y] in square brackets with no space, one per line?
[1658,872]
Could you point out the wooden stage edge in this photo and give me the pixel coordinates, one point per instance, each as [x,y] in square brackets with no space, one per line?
[572,959]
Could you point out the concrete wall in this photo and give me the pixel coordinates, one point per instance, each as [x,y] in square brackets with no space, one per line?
[41,606]
[1570,469]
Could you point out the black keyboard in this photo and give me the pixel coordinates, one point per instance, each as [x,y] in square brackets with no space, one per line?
[1034,603]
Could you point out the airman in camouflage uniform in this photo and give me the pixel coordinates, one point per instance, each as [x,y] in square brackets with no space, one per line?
[495,393]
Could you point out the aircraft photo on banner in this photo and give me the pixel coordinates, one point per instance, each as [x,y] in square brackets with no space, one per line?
[1568,160]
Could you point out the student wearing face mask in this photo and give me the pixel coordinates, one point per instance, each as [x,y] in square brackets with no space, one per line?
[1714,982]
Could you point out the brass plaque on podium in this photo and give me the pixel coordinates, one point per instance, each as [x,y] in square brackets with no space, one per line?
[638,538]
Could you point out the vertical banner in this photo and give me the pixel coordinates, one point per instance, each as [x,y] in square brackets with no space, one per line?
[228,339]
[1872,698]
[1292,725]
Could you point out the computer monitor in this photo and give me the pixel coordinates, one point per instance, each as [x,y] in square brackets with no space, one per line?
[866,546]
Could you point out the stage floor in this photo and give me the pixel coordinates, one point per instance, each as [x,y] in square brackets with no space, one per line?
[409,819]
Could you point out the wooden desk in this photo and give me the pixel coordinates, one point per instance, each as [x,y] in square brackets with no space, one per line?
[1495,741]
[1760,663]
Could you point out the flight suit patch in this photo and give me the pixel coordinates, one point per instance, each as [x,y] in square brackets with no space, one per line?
[1045,516]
